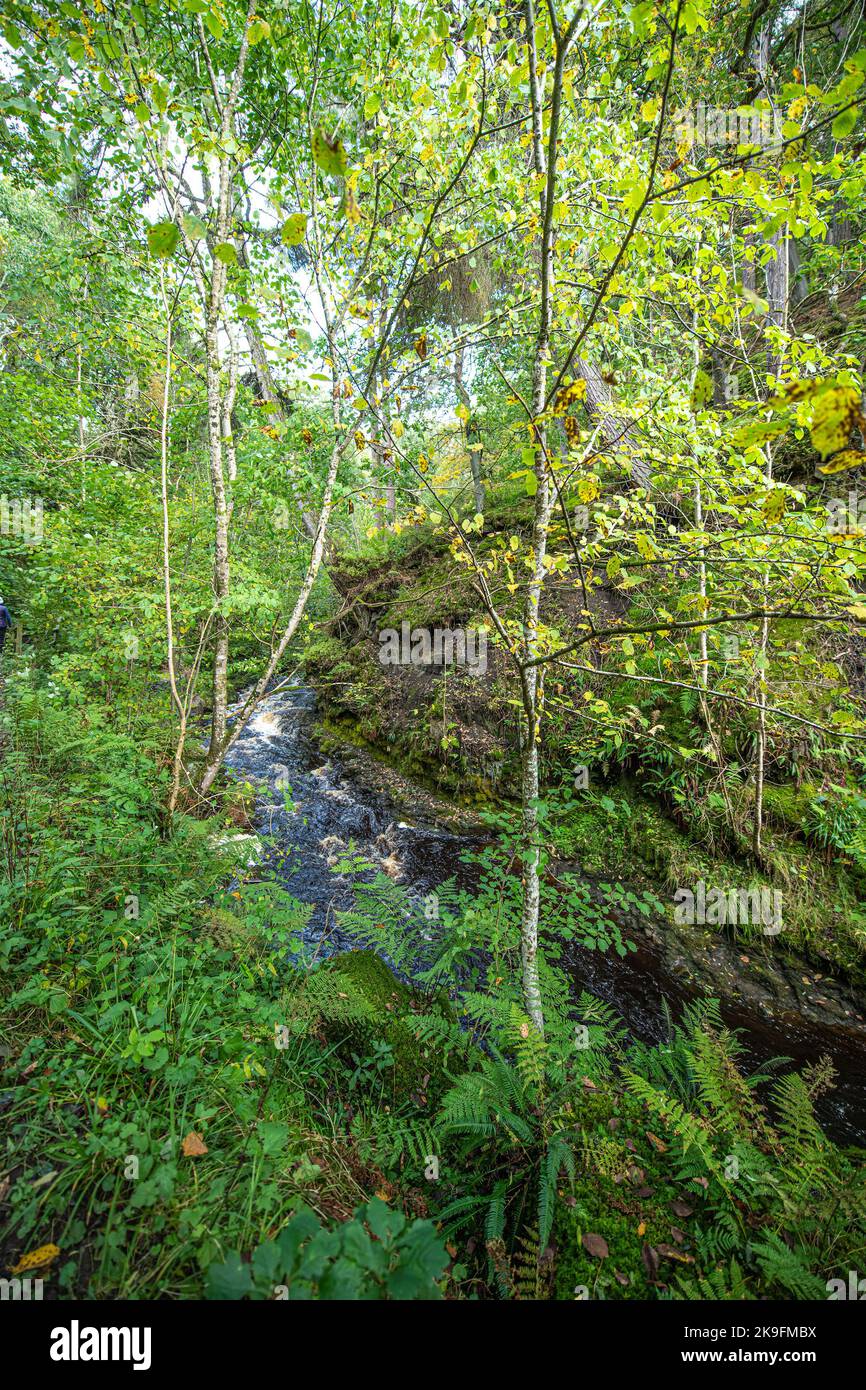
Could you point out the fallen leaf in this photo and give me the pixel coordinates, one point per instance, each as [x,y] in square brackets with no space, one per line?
[595,1245]
[641,1230]
[658,1144]
[37,1259]
[681,1208]
[670,1253]
[193,1145]
[650,1258]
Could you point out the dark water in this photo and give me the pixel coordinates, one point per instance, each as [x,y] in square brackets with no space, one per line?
[326,811]
[313,812]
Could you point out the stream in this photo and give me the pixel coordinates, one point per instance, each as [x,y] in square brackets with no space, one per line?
[310,806]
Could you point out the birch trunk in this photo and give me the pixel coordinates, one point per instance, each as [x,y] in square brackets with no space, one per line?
[532,677]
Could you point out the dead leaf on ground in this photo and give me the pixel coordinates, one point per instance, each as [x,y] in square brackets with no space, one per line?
[650,1258]
[37,1259]
[670,1253]
[595,1245]
[193,1145]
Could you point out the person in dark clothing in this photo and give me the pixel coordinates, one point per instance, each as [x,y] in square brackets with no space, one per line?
[5,622]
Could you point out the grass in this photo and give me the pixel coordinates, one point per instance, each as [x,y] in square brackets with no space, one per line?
[143,1003]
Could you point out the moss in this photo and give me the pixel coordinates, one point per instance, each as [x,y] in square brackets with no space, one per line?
[621,1163]
[787,805]
[577,1269]
[355,1000]
[632,838]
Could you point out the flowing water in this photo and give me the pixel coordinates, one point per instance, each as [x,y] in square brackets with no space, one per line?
[309,809]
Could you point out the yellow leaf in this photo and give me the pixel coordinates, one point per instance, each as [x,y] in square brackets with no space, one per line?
[37,1259]
[193,1145]
[842,462]
[588,489]
[836,413]
[774,505]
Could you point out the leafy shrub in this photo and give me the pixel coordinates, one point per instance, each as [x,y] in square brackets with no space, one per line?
[379,1254]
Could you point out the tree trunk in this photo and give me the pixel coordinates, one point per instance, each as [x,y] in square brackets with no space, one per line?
[618,433]
[474,446]
[221,577]
[532,677]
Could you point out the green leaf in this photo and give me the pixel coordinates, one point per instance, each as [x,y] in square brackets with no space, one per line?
[844,123]
[702,391]
[195,229]
[229,1280]
[259,29]
[330,155]
[372,104]
[294,229]
[162,239]
[225,251]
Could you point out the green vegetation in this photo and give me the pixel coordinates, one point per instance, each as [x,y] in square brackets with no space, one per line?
[322,326]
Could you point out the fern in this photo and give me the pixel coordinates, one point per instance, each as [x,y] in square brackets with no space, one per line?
[806,1149]
[718,1285]
[393,1141]
[525,1265]
[785,1268]
[692,1132]
[483,1101]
